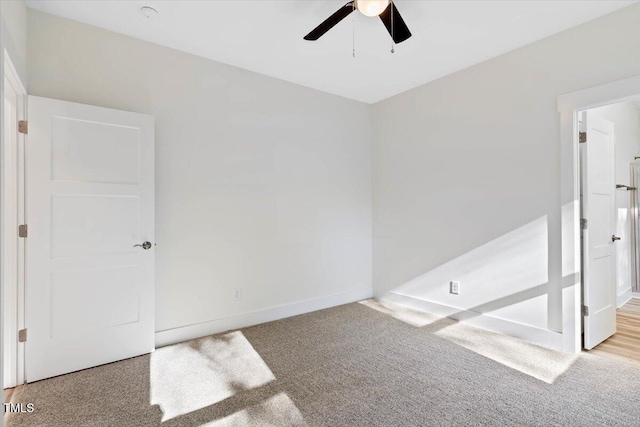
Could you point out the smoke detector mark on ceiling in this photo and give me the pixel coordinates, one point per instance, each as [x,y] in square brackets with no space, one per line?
[149,12]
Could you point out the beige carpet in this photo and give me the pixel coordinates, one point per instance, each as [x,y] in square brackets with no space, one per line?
[361,364]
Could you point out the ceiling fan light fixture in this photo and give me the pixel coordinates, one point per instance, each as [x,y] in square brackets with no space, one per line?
[372,7]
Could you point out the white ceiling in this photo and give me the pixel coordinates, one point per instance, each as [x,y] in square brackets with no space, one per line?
[266,36]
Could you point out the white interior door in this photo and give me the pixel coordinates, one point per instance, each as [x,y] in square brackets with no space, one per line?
[598,208]
[89,199]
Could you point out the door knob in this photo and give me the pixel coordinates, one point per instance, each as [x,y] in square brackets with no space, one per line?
[145,245]
[614,238]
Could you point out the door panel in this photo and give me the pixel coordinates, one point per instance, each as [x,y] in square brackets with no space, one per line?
[94,152]
[111,223]
[600,232]
[90,199]
[598,207]
[102,298]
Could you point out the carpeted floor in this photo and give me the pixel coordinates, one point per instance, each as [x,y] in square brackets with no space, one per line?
[361,364]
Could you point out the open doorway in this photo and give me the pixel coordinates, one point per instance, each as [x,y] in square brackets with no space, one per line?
[609,180]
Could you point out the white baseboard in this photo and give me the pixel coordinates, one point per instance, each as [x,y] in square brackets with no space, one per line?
[635,294]
[184,333]
[533,334]
[624,297]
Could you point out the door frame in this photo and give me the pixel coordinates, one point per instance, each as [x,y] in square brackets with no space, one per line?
[570,106]
[14,248]
[635,229]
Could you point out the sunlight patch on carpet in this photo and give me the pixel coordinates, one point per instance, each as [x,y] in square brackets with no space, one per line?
[536,361]
[199,373]
[278,410]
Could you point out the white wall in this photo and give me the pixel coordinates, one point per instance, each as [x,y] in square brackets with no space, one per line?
[260,184]
[13,35]
[467,180]
[625,119]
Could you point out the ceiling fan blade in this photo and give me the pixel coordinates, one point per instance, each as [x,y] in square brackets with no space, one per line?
[396,26]
[330,22]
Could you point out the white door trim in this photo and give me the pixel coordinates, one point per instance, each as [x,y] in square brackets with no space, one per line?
[569,106]
[13,248]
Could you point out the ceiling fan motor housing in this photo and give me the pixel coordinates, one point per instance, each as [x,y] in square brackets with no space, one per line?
[385,9]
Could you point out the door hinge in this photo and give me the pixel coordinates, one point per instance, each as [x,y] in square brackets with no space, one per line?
[583,223]
[582,137]
[585,310]
[22,335]
[22,230]
[23,126]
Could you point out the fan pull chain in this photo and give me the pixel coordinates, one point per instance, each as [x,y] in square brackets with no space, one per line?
[391,6]
[353,30]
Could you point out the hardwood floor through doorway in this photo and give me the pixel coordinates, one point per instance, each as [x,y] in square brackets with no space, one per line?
[625,344]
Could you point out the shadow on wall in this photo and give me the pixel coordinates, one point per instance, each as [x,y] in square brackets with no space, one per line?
[507,278]
[524,283]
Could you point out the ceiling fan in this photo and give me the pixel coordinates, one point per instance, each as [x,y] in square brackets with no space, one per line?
[385,9]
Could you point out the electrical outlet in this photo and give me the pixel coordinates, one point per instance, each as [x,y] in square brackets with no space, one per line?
[237,294]
[454,287]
